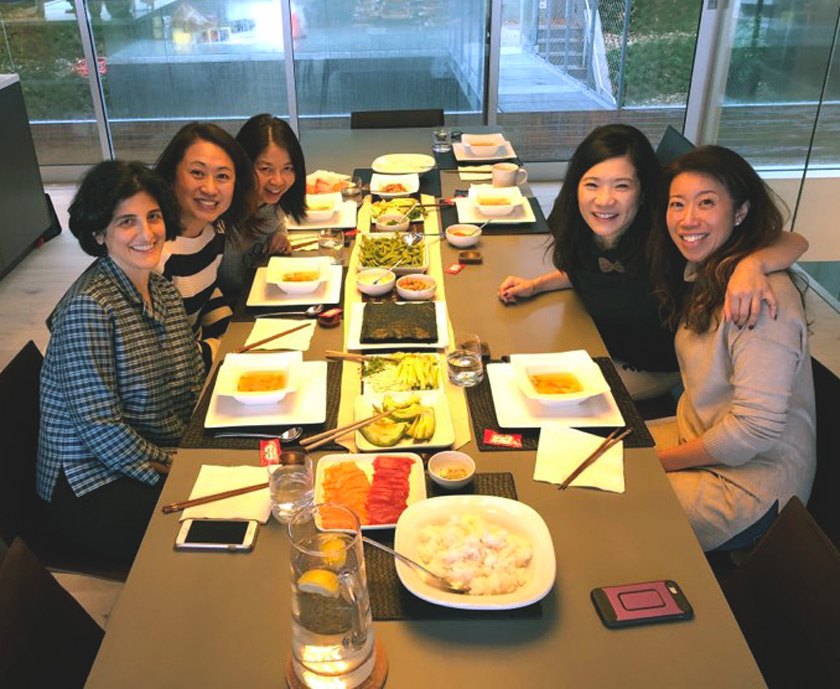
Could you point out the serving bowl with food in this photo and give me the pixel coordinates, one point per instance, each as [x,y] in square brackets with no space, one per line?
[416,287]
[297,275]
[560,378]
[394,186]
[462,235]
[493,201]
[451,469]
[392,222]
[483,145]
[321,207]
[256,379]
[375,281]
[392,251]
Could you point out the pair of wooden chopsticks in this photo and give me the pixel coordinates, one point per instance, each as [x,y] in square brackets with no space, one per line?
[314,441]
[178,506]
[609,441]
[358,358]
[258,343]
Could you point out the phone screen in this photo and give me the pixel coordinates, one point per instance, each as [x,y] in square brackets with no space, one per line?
[214,531]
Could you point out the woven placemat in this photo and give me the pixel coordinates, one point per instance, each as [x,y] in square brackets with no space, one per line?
[483,414]
[449,216]
[242,313]
[198,436]
[429,181]
[390,600]
[448,161]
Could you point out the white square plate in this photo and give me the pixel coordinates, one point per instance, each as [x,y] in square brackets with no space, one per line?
[345,218]
[410,182]
[463,155]
[264,293]
[305,406]
[416,477]
[444,430]
[354,335]
[515,516]
[577,362]
[469,214]
[514,410]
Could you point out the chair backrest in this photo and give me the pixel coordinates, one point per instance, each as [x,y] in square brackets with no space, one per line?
[393,119]
[20,513]
[46,638]
[672,145]
[786,598]
[824,505]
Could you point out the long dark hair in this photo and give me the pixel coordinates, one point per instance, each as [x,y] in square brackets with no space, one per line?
[698,303]
[244,200]
[255,136]
[572,237]
[104,187]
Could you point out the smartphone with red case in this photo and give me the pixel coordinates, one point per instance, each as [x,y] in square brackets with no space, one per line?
[644,603]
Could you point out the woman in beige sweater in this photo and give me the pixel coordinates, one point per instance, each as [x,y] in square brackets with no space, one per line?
[743,442]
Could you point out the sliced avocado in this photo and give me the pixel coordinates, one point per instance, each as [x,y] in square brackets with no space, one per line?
[383,433]
[406,413]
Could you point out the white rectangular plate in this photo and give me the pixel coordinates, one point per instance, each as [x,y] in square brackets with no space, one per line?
[345,218]
[514,410]
[512,515]
[461,153]
[354,334]
[444,431]
[416,478]
[468,213]
[307,405]
[265,294]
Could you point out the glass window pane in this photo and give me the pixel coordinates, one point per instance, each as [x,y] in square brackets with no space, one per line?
[569,65]
[389,55]
[167,63]
[40,42]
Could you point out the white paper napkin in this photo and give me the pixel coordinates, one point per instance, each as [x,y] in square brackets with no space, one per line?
[266,327]
[561,451]
[216,479]
[474,173]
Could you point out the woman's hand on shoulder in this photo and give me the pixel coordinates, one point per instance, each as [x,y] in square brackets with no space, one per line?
[513,288]
[748,287]
[278,243]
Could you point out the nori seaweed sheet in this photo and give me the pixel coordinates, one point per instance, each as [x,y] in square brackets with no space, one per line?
[400,323]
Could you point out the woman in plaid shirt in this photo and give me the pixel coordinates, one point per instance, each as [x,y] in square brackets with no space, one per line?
[121,374]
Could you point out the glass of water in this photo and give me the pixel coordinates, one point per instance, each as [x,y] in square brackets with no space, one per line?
[290,484]
[441,140]
[464,364]
[331,243]
[353,191]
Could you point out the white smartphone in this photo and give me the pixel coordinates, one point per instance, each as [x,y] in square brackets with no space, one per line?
[233,535]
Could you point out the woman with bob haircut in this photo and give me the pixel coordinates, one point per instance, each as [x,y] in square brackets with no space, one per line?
[744,439]
[214,185]
[121,374]
[281,188]
[600,225]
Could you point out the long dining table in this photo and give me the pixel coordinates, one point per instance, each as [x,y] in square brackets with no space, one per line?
[214,620]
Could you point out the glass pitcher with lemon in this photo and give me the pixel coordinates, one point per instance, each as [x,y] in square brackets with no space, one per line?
[332,634]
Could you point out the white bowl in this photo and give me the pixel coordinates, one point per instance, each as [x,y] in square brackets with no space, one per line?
[237,365]
[577,362]
[463,236]
[365,279]
[392,222]
[495,201]
[407,291]
[405,185]
[295,286]
[451,460]
[320,207]
[484,149]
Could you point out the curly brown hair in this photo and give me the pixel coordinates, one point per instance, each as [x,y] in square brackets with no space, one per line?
[697,304]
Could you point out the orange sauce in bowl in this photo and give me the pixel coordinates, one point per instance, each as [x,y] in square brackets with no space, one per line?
[493,201]
[301,276]
[555,383]
[261,381]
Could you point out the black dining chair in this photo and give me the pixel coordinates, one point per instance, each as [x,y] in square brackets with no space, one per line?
[393,119]
[672,145]
[786,598]
[21,508]
[46,638]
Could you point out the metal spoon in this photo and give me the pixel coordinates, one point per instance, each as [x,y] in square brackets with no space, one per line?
[385,274]
[429,576]
[288,435]
[311,312]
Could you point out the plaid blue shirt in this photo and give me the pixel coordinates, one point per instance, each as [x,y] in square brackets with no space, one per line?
[119,381]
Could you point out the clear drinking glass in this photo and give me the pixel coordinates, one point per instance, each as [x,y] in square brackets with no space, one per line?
[463,363]
[332,634]
[441,139]
[354,191]
[331,243]
[290,484]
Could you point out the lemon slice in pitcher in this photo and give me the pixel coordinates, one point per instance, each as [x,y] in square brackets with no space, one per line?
[333,551]
[320,581]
